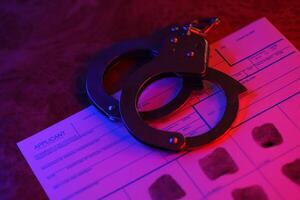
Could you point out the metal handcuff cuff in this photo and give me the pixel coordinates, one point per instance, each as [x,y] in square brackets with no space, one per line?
[107,74]
[179,51]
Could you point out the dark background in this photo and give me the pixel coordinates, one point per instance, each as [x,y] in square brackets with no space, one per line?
[45,44]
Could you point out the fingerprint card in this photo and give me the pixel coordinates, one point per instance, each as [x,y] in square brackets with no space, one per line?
[87,156]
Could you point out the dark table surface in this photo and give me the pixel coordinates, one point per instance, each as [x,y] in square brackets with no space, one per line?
[44,47]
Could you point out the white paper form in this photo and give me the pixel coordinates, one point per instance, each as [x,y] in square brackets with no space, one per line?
[86,156]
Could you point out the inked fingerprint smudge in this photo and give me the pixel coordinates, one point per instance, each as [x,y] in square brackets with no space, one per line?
[217,164]
[166,188]
[249,193]
[267,135]
[292,171]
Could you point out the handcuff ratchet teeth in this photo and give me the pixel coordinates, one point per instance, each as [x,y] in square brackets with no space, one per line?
[180,51]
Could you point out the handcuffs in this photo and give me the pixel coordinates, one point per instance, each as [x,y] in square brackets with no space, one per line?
[176,51]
